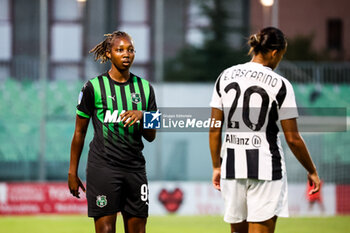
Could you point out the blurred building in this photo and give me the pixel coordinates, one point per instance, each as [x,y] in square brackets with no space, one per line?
[327,21]
[76,26]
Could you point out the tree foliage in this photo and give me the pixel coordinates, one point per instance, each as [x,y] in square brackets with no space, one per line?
[205,63]
[300,49]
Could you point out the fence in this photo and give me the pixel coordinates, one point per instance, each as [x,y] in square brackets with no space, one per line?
[173,156]
[312,72]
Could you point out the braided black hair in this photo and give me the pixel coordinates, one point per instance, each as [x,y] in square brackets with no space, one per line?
[105,46]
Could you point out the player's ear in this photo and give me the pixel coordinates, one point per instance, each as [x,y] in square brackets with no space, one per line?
[274,53]
[108,54]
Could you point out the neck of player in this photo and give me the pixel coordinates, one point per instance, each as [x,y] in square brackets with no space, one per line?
[117,75]
[264,59]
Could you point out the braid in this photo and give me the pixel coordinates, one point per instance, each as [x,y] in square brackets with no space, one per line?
[105,46]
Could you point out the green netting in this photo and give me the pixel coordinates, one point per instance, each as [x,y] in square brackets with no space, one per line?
[322,96]
[21,114]
[334,145]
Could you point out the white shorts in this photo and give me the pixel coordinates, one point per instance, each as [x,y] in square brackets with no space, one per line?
[254,200]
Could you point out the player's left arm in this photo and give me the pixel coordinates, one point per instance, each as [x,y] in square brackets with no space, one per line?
[288,113]
[300,151]
[133,116]
[150,134]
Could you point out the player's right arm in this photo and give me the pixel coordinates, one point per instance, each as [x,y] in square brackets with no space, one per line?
[74,182]
[300,151]
[217,114]
[215,146]
[85,109]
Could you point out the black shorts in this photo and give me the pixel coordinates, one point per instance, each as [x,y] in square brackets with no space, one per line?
[109,191]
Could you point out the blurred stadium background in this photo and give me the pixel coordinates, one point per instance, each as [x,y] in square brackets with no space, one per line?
[182,46]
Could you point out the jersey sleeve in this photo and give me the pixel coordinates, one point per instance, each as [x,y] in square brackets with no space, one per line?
[86,101]
[152,105]
[216,101]
[288,108]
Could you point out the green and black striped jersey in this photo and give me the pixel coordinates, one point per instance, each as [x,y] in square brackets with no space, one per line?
[103,100]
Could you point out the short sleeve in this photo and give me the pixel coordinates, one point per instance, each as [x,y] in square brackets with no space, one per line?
[288,108]
[216,101]
[152,105]
[86,101]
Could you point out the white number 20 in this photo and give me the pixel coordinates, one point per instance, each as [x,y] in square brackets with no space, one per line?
[144,192]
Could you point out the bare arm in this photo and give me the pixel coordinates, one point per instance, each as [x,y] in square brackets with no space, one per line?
[299,149]
[74,182]
[149,134]
[215,146]
[131,117]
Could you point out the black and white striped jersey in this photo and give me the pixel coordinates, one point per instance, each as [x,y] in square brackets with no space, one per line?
[253,98]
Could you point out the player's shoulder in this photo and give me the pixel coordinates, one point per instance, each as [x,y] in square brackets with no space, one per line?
[232,68]
[238,69]
[95,79]
[286,82]
[95,82]
[88,85]
[139,79]
[144,82]
[277,79]
[226,73]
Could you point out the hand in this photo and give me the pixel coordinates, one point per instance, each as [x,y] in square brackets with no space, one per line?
[74,183]
[315,181]
[131,117]
[216,178]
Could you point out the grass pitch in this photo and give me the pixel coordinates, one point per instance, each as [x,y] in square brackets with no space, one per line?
[166,224]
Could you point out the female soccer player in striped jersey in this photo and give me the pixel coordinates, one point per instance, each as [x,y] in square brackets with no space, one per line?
[115,174]
[248,166]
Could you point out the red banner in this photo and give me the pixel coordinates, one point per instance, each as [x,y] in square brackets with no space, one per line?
[343,199]
[55,198]
[39,198]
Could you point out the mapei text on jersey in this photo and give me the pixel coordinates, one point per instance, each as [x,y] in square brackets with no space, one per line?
[112,117]
[259,76]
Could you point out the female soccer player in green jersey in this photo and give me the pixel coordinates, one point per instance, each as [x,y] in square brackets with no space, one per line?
[116,178]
